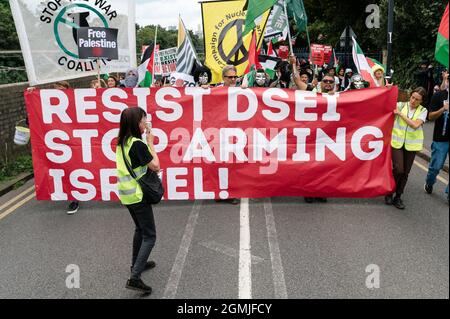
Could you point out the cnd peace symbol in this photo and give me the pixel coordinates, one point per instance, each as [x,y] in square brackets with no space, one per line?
[238,49]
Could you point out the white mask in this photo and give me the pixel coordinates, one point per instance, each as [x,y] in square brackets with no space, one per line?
[203,79]
[260,79]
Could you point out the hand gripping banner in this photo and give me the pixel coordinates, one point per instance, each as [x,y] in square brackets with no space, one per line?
[217,143]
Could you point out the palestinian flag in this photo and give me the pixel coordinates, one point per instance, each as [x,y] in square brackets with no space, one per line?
[268,63]
[253,63]
[364,69]
[145,70]
[255,9]
[270,50]
[373,62]
[441,53]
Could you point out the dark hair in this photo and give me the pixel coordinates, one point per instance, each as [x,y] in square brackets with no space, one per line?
[129,124]
[200,70]
[63,84]
[115,79]
[421,91]
[304,72]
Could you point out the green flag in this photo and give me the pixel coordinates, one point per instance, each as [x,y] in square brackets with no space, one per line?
[442,40]
[255,8]
[296,10]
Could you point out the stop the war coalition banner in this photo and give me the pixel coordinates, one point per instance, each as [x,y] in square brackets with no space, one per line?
[217,143]
[47,31]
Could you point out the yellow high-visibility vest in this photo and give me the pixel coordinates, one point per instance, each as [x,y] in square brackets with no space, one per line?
[403,134]
[130,191]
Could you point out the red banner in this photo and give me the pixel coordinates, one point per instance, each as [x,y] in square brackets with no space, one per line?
[317,54]
[217,143]
[327,52]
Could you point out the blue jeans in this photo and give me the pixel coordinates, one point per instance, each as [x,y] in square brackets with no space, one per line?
[439,152]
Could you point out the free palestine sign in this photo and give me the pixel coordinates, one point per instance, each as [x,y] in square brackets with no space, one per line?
[97,43]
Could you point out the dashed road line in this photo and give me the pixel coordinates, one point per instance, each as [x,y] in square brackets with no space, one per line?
[275,255]
[245,257]
[177,269]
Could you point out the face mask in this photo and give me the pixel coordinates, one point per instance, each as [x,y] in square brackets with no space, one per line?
[260,79]
[359,85]
[131,81]
[203,79]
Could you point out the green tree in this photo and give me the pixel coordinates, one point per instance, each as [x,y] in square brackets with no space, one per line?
[414,39]
[10,65]
[9,39]
[166,38]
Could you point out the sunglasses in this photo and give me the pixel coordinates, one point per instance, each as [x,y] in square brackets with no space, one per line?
[328,81]
[231,77]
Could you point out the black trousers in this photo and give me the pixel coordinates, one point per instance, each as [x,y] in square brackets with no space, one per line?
[402,161]
[144,236]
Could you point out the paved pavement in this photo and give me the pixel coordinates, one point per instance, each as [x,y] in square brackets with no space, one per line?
[297,250]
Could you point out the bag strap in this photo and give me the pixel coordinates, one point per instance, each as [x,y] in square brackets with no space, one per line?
[127,164]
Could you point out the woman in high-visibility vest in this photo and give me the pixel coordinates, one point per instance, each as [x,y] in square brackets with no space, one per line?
[407,140]
[142,158]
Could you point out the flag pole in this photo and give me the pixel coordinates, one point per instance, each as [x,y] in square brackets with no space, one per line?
[390,32]
[98,72]
[154,56]
[288,26]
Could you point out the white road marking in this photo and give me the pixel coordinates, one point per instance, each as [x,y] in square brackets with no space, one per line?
[245,259]
[177,269]
[275,255]
[222,249]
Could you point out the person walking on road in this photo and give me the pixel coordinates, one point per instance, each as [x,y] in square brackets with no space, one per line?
[62,85]
[439,147]
[143,159]
[407,140]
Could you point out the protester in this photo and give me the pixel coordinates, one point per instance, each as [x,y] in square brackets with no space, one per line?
[444,78]
[304,77]
[131,78]
[143,159]
[261,80]
[357,82]
[347,78]
[63,85]
[439,147]
[157,83]
[202,76]
[424,78]
[97,85]
[327,85]
[284,72]
[112,82]
[299,84]
[407,140]
[341,76]
[378,72]
[331,71]
[229,76]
